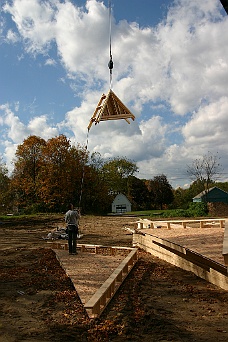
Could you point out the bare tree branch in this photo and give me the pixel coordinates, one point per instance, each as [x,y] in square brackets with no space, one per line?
[205,170]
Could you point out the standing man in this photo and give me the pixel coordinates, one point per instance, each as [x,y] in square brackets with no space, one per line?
[72,219]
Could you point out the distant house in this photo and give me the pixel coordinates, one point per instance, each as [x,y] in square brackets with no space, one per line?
[214,195]
[121,204]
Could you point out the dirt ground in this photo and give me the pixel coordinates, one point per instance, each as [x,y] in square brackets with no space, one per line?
[157,302]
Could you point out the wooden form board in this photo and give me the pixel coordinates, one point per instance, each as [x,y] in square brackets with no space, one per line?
[145,223]
[105,293]
[110,107]
[101,298]
[184,258]
[225,246]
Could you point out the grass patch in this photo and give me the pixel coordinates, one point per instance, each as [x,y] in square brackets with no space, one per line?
[194,210]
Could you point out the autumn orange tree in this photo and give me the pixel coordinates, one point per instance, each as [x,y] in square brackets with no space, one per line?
[48,175]
[27,167]
[62,173]
[4,186]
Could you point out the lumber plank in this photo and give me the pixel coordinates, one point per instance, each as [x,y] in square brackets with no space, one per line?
[110,108]
[225,246]
[104,294]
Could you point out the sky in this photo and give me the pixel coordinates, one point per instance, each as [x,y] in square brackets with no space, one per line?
[170,69]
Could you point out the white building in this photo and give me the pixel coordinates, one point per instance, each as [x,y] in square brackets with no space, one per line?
[121,204]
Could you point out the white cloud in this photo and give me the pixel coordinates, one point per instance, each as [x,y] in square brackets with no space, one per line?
[181,65]
[14,131]
[208,127]
[17,131]
[192,46]
[81,37]
[137,146]
[175,61]
[9,154]
[12,37]
[39,126]
[34,22]
[50,61]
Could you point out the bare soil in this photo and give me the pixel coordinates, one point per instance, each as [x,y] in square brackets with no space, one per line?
[157,302]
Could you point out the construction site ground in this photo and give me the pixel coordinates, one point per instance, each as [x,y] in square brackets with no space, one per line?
[157,302]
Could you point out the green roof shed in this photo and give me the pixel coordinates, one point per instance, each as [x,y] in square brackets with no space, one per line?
[214,194]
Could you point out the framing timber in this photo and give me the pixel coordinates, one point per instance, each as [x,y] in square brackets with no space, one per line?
[203,223]
[184,258]
[225,247]
[105,293]
[225,5]
[110,107]
[101,298]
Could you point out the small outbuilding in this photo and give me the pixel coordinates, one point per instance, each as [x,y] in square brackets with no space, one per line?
[121,204]
[214,194]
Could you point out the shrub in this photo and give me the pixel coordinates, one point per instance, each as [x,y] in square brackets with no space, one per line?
[175,213]
[197,209]
[194,210]
[34,209]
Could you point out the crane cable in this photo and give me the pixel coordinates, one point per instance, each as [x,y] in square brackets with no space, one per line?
[83,169]
[110,65]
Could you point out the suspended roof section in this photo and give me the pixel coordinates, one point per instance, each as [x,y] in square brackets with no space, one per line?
[110,107]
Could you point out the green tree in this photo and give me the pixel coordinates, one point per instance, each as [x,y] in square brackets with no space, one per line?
[96,161]
[161,191]
[222,185]
[116,172]
[179,198]
[138,193]
[77,173]
[96,197]
[194,189]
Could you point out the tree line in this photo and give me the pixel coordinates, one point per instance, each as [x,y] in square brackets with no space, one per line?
[49,174]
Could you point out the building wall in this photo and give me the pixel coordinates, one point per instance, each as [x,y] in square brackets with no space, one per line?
[215,195]
[121,204]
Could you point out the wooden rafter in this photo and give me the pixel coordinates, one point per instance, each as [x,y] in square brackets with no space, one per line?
[225,5]
[110,108]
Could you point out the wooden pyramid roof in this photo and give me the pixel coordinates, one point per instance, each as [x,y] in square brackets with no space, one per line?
[225,5]
[110,108]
